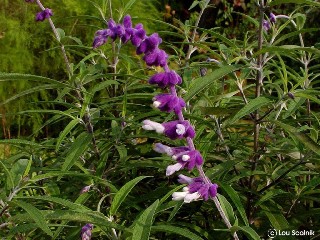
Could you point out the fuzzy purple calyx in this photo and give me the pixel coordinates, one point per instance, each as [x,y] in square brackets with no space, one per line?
[138,35]
[166,79]
[46,13]
[178,129]
[196,190]
[157,57]
[266,25]
[168,103]
[272,18]
[149,44]
[206,190]
[189,159]
[86,231]
[170,151]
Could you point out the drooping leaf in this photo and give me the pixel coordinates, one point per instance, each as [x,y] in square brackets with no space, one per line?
[123,193]
[248,231]
[302,137]
[142,226]
[36,215]
[65,132]
[252,106]
[236,200]
[78,147]
[201,83]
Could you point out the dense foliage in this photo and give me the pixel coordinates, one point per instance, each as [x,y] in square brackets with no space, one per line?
[75,160]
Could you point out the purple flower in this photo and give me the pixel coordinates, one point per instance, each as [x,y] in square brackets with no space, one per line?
[189,159]
[29,1]
[128,31]
[101,37]
[41,16]
[170,151]
[86,231]
[178,129]
[157,57]
[167,102]
[138,35]
[266,25]
[272,18]
[165,79]
[173,129]
[197,189]
[185,159]
[149,44]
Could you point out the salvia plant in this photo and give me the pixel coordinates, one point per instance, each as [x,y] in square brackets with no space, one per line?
[233,127]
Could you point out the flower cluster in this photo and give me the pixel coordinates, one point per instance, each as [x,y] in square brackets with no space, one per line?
[147,45]
[186,157]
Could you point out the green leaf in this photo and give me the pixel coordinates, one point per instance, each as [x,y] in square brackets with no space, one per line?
[65,132]
[36,215]
[63,202]
[18,169]
[9,182]
[252,106]
[123,193]
[234,196]
[227,208]
[276,218]
[308,2]
[176,230]
[248,231]
[129,5]
[269,195]
[142,227]
[193,5]
[79,146]
[301,137]
[201,83]
[61,33]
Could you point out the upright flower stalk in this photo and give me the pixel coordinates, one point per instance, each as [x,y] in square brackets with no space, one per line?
[41,16]
[185,157]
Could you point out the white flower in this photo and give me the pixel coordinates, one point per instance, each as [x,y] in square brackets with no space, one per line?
[173,168]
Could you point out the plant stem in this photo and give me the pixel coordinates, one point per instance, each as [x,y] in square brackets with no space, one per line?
[54,29]
[86,117]
[256,127]
[191,49]
[200,168]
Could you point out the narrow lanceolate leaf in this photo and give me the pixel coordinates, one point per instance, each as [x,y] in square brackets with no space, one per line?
[276,218]
[248,231]
[234,196]
[10,182]
[227,208]
[65,132]
[36,215]
[142,226]
[302,137]
[79,146]
[252,106]
[123,193]
[176,230]
[61,201]
[201,83]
